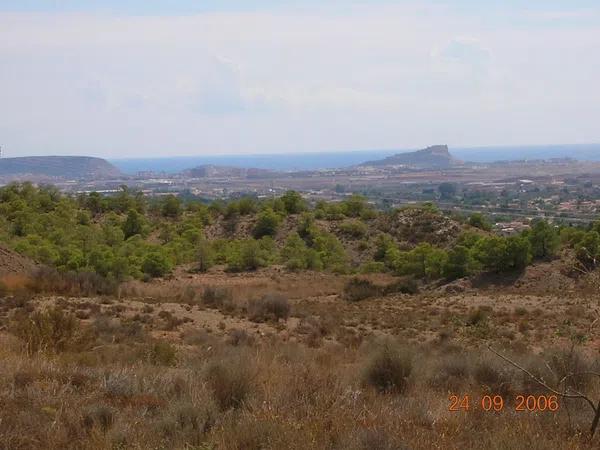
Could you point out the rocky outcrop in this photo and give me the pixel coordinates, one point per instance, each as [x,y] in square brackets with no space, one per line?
[435,157]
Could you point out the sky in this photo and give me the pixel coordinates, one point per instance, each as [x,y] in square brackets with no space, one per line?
[143,78]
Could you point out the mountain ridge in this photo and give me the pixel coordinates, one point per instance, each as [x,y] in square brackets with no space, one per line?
[68,167]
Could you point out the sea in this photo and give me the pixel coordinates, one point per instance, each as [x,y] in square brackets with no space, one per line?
[339,159]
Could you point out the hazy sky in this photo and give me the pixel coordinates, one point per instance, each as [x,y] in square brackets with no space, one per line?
[140,78]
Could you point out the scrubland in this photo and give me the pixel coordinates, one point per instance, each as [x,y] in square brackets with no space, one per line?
[285,364]
[135,323]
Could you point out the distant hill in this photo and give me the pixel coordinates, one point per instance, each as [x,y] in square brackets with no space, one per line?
[434,157]
[67,167]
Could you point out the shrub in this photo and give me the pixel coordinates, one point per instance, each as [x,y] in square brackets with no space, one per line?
[215,297]
[459,263]
[247,255]
[238,337]
[389,370]
[544,239]
[205,256]
[405,286]
[587,250]
[50,331]
[293,202]
[476,317]
[134,224]
[354,206]
[297,256]
[499,254]
[373,267]
[478,220]
[101,416]
[267,224]
[354,229]
[49,280]
[331,252]
[156,264]
[424,261]
[162,353]
[269,307]
[230,382]
[493,377]
[358,289]
[171,207]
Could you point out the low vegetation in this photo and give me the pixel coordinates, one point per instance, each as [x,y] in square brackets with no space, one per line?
[268,324]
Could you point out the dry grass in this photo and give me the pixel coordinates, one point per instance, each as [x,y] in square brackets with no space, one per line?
[319,372]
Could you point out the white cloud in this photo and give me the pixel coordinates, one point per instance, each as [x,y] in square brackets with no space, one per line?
[387,76]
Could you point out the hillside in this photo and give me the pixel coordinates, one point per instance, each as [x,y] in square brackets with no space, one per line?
[267,324]
[12,263]
[434,157]
[67,167]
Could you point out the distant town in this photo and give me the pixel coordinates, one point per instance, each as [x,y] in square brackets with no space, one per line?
[509,193]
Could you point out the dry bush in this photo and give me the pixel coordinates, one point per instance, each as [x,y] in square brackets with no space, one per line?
[215,296]
[238,337]
[494,377]
[111,330]
[50,331]
[119,385]
[252,433]
[162,353]
[314,329]
[20,299]
[195,336]
[389,370]
[358,289]
[170,322]
[404,286]
[231,382]
[100,416]
[476,317]
[450,372]
[271,307]
[563,362]
[51,281]
[189,296]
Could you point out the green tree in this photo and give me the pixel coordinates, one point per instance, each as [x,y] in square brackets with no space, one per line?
[267,224]
[293,202]
[134,224]
[331,252]
[383,242]
[544,239]
[499,254]
[354,229]
[296,255]
[205,256]
[354,206]
[424,261]
[156,264]
[246,255]
[490,252]
[246,206]
[478,220]
[518,253]
[459,263]
[171,207]
[588,250]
